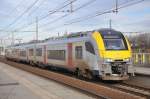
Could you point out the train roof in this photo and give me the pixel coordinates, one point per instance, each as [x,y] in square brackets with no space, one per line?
[75,36]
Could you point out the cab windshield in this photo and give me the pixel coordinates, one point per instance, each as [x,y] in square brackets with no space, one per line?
[114,44]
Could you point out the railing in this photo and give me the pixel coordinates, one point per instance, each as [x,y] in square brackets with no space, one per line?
[141,59]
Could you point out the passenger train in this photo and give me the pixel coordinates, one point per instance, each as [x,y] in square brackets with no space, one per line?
[104,53]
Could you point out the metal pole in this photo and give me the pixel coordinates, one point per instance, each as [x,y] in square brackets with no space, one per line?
[58,34]
[4,44]
[110,21]
[12,43]
[36,28]
[36,39]
[71,7]
[116,6]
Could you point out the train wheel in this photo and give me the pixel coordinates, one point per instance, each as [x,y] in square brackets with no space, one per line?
[78,73]
[32,64]
[88,74]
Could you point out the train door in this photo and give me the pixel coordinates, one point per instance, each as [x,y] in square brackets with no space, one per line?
[45,55]
[79,55]
[78,51]
[27,54]
[91,57]
[34,54]
[70,56]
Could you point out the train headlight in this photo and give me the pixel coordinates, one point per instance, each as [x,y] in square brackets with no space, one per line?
[127,60]
[107,60]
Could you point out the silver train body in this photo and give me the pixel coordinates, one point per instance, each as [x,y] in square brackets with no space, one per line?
[79,53]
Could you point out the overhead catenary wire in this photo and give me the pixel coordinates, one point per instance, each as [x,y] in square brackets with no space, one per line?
[115,10]
[21,15]
[34,10]
[59,18]
[98,13]
[41,3]
[43,17]
[14,9]
[16,31]
[101,13]
[80,7]
[105,12]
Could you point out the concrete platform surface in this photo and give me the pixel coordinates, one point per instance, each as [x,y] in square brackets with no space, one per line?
[142,70]
[12,89]
[19,84]
[139,80]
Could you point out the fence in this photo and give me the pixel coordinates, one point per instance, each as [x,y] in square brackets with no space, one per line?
[141,59]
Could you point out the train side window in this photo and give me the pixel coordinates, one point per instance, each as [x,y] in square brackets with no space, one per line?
[89,47]
[56,54]
[30,52]
[23,53]
[78,52]
[39,52]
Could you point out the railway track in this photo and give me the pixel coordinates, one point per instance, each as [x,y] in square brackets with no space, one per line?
[133,89]
[101,90]
[137,86]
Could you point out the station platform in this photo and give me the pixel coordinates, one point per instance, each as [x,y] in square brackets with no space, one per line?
[19,84]
[143,70]
[13,89]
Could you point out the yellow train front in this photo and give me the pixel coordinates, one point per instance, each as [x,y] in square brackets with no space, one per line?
[114,52]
